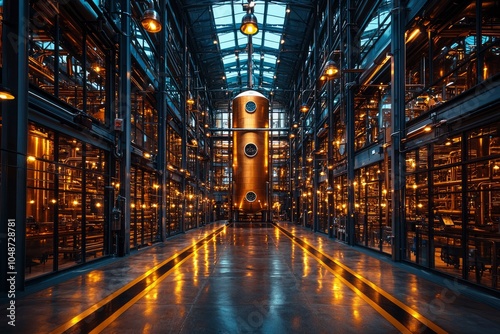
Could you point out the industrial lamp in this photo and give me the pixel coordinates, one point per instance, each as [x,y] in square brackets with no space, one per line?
[249,22]
[5,93]
[190,100]
[304,108]
[331,69]
[150,20]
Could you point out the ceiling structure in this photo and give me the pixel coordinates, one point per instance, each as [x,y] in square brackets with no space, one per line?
[279,48]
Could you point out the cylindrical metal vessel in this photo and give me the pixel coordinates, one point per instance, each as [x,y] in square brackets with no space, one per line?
[250,152]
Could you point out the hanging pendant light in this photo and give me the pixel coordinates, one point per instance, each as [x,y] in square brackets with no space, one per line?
[249,24]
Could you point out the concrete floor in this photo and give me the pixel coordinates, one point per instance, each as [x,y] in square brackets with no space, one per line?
[252,278]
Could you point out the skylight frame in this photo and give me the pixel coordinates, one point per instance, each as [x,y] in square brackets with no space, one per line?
[266,43]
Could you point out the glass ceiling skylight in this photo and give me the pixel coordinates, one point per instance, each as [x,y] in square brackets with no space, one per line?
[233,44]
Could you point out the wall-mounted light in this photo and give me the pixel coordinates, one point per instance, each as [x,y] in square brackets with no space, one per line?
[427,128]
[304,108]
[5,93]
[330,71]
[96,67]
[190,101]
[150,20]
[412,35]
[83,120]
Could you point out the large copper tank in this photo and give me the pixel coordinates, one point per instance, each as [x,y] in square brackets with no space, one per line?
[250,152]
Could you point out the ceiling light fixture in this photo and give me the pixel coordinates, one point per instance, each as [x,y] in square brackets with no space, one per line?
[249,22]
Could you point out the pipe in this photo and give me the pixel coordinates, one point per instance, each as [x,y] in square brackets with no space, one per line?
[249,62]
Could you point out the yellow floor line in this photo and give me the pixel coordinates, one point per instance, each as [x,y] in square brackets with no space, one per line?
[95,307]
[431,325]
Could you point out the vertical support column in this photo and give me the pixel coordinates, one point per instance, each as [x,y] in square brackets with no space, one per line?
[292,162]
[329,160]
[398,68]
[162,127]
[479,41]
[185,120]
[350,135]
[249,62]
[14,145]
[302,210]
[330,147]
[124,69]
[291,158]
[430,56]
[57,46]
[317,105]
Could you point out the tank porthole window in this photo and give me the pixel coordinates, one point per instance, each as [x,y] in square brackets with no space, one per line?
[250,107]
[251,196]
[251,150]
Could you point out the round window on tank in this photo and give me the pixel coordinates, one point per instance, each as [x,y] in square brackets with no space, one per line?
[250,107]
[251,150]
[251,196]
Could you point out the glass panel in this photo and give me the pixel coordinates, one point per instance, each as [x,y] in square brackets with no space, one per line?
[70,71]
[454,62]
[41,202]
[71,181]
[448,153]
[174,210]
[94,204]
[371,209]
[229,14]
[340,206]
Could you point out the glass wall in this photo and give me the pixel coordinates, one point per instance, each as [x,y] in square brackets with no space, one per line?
[144,191]
[65,222]
[174,208]
[70,68]
[221,175]
[444,63]
[372,214]
[144,125]
[340,206]
[453,205]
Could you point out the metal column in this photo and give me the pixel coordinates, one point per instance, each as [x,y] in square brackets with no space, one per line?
[185,120]
[330,106]
[350,135]
[398,66]
[162,127]
[14,145]
[125,137]
[316,114]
